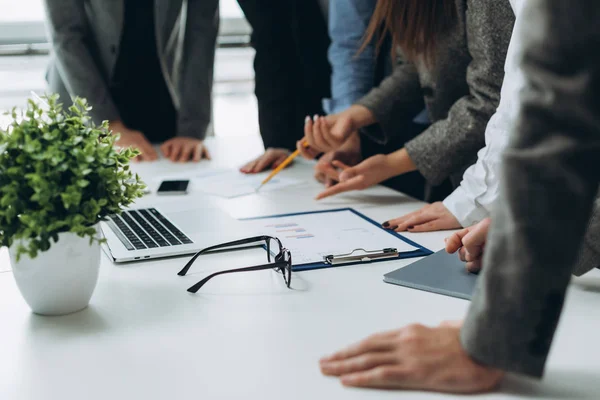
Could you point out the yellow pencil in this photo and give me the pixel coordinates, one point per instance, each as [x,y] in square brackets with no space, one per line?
[281,166]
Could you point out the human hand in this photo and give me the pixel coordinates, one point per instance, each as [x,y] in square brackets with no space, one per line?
[270,159]
[184,149]
[349,154]
[432,217]
[415,358]
[470,244]
[135,139]
[329,133]
[370,172]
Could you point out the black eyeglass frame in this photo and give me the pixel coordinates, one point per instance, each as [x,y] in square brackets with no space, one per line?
[282,260]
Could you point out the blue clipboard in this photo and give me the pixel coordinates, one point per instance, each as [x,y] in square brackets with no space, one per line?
[420,252]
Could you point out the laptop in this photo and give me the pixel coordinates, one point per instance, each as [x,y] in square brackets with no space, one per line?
[149,233]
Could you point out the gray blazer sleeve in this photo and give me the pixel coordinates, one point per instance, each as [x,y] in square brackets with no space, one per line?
[71,38]
[589,255]
[396,100]
[195,83]
[550,179]
[450,145]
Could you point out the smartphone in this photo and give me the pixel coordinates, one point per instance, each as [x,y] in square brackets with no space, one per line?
[174,187]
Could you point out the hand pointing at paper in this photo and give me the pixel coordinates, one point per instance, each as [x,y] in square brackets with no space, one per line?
[372,171]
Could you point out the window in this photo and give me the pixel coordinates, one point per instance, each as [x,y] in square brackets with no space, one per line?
[22,22]
[22,25]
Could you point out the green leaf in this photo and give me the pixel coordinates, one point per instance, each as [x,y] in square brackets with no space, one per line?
[59,172]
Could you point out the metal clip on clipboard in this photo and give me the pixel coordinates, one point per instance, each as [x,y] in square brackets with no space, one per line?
[364,256]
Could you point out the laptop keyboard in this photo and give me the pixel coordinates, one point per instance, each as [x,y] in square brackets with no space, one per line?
[146,229]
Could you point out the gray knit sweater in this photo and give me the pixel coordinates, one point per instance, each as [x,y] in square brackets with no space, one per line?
[461,92]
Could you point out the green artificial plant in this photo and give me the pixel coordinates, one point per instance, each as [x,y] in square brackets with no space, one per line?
[59,173]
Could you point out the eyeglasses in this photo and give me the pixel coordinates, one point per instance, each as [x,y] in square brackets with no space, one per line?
[282,261]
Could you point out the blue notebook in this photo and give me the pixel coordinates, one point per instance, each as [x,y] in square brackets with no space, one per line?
[353,238]
[440,273]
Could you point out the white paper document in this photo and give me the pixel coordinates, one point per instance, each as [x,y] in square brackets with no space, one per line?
[232,184]
[310,237]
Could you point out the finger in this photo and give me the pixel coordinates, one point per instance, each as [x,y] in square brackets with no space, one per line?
[328,138]
[308,133]
[197,154]
[341,165]
[279,160]
[307,152]
[374,343]
[330,182]
[328,170]
[249,167]
[400,220]
[165,148]
[462,254]
[267,159]
[359,363]
[320,142]
[431,226]
[383,377]
[355,183]
[454,241]
[313,153]
[186,152]
[307,127]
[176,149]
[320,177]
[472,254]
[419,218]
[149,152]
[474,267]
[205,153]
[474,240]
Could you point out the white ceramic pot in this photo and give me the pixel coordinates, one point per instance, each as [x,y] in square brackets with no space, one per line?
[61,280]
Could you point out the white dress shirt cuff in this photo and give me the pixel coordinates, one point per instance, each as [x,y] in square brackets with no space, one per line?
[466,211]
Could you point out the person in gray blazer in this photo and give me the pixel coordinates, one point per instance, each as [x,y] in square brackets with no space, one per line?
[550,180]
[451,63]
[145,66]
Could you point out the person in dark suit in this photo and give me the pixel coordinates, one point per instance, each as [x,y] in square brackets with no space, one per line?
[550,179]
[292,73]
[145,66]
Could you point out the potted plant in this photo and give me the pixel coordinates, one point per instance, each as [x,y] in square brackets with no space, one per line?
[59,176]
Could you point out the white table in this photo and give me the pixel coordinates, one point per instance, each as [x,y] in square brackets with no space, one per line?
[246,336]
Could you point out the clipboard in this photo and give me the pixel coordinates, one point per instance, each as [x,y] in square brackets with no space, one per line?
[356,255]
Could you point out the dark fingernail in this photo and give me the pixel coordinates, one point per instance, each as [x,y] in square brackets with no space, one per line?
[393,228]
[385,224]
[411,227]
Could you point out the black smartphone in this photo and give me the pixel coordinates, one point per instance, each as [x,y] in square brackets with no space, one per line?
[173,187]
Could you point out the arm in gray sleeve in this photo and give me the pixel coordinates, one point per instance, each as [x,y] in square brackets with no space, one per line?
[550,179]
[397,100]
[72,41]
[461,134]
[196,80]
[589,256]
